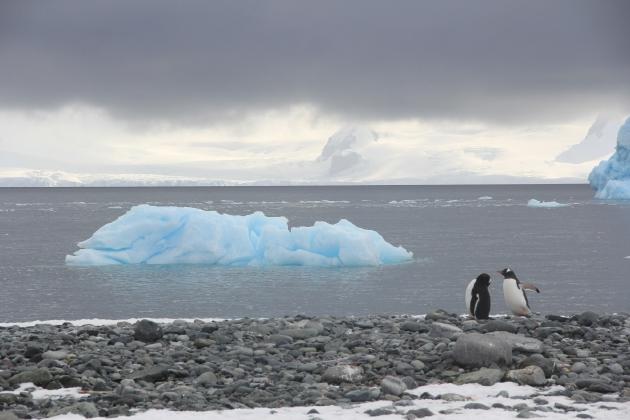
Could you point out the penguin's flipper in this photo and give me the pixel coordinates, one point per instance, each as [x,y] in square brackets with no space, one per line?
[530,286]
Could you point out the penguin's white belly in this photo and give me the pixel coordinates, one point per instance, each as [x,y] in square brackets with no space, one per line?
[469,295]
[514,298]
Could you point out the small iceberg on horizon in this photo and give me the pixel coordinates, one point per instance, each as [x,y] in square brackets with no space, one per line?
[611,178]
[183,235]
[545,204]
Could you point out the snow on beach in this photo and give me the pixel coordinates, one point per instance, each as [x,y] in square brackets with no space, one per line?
[451,405]
[357,368]
[182,235]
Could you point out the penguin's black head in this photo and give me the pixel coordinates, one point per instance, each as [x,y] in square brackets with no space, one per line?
[507,273]
[483,279]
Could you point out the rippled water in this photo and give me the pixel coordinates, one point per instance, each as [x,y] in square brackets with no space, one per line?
[576,254]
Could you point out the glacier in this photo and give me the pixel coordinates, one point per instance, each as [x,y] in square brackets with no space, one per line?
[611,178]
[182,235]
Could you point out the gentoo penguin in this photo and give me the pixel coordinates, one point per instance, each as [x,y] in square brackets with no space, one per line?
[514,292]
[478,296]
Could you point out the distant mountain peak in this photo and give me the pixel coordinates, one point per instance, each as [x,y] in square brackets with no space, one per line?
[599,141]
[342,149]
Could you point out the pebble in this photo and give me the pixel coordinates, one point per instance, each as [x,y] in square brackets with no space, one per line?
[307,361]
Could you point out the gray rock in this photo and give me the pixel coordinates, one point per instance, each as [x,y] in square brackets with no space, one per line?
[207,379]
[596,385]
[38,376]
[393,386]
[527,414]
[616,368]
[85,409]
[7,398]
[476,406]
[405,369]
[383,411]
[531,375]
[8,415]
[498,325]
[578,367]
[483,376]
[419,413]
[151,374]
[452,397]
[587,318]
[414,326]
[481,350]
[55,355]
[147,331]
[547,365]
[440,329]
[343,373]
[519,342]
[300,333]
[279,339]
[363,395]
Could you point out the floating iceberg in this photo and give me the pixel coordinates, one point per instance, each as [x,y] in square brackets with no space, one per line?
[545,204]
[182,235]
[611,178]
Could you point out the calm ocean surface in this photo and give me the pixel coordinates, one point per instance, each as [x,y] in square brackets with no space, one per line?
[576,254]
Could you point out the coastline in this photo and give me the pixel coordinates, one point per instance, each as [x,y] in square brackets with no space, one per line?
[395,365]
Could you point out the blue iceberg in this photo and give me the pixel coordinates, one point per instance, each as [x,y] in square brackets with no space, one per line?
[182,235]
[611,178]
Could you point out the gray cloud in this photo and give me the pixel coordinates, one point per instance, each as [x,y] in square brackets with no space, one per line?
[499,60]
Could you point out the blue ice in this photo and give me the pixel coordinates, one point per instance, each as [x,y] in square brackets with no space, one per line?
[183,235]
[611,178]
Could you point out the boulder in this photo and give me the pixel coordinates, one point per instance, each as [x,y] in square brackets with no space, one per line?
[393,386]
[548,366]
[519,342]
[481,350]
[531,375]
[39,376]
[147,331]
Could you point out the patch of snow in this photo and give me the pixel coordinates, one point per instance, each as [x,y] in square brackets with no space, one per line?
[611,178]
[486,395]
[545,204]
[39,393]
[101,322]
[183,235]
[485,197]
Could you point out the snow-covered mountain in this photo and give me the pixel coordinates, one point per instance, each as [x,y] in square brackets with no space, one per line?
[343,149]
[599,141]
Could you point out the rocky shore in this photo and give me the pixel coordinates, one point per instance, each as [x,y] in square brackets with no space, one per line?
[312,361]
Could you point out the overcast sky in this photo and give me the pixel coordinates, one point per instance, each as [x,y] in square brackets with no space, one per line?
[237,89]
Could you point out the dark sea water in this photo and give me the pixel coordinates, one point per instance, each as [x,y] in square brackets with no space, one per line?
[576,254]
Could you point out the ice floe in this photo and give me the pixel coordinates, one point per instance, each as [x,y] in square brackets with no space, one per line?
[545,204]
[183,235]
